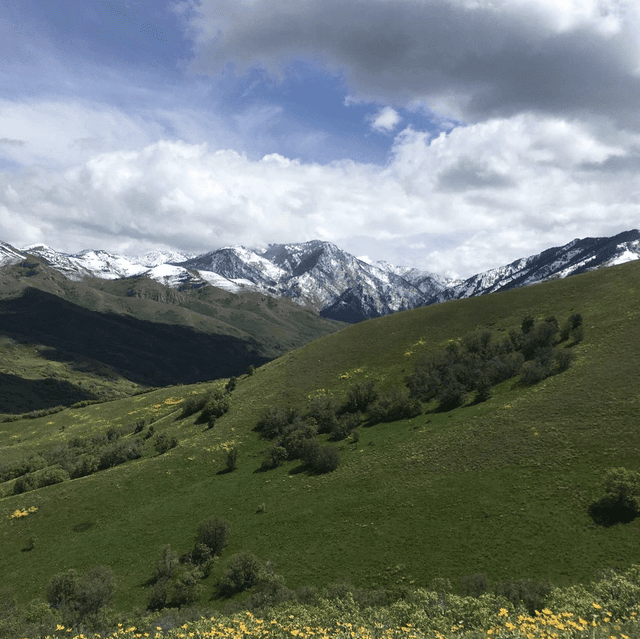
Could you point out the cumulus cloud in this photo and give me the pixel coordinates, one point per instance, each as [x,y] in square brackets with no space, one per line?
[385,120]
[457,204]
[469,59]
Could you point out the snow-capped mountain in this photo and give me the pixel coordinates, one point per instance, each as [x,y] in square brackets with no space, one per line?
[88,263]
[575,257]
[321,276]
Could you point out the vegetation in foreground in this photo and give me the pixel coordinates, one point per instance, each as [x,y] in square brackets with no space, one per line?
[606,608]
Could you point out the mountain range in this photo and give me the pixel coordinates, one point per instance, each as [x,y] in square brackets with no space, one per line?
[321,277]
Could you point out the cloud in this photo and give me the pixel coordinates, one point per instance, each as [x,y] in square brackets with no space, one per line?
[475,198]
[385,120]
[469,60]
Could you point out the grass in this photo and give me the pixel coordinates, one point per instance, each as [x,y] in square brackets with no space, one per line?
[500,488]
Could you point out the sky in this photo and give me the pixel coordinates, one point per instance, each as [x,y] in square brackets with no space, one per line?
[449,135]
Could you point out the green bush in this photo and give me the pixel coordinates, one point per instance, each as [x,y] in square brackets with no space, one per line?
[119,452]
[217,405]
[213,533]
[164,442]
[295,436]
[344,425]
[232,460]
[242,572]
[166,565]
[359,397]
[275,421]
[80,599]
[321,459]
[393,406]
[324,410]
[621,501]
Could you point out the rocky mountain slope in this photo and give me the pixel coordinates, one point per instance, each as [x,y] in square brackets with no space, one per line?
[320,276]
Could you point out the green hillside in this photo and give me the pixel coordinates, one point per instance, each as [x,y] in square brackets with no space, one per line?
[63,342]
[500,487]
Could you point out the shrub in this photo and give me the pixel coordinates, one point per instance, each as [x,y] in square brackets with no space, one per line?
[213,533]
[324,410]
[187,588]
[193,405]
[51,476]
[474,585]
[87,465]
[216,407]
[530,593]
[275,456]
[119,452]
[80,599]
[24,484]
[241,573]
[231,384]
[393,406]
[296,435]
[451,394]
[164,442]
[359,397]
[621,501]
[232,460]
[323,459]
[533,372]
[275,420]
[344,425]
[166,565]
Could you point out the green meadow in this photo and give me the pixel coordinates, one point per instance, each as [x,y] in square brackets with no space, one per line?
[499,488]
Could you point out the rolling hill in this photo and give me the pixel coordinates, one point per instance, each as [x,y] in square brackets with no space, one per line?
[64,341]
[501,487]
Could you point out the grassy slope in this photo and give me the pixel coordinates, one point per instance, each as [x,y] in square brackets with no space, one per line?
[64,341]
[502,487]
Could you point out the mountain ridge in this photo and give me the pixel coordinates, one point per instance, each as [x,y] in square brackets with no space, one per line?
[333,283]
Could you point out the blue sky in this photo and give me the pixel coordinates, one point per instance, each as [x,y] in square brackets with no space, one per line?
[445,134]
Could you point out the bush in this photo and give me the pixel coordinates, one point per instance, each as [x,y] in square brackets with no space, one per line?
[394,406]
[322,459]
[193,405]
[213,533]
[119,452]
[275,456]
[296,435]
[241,573]
[87,465]
[51,476]
[359,397]
[166,565]
[81,599]
[216,407]
[275,420]
[232,460]
[621,501]
[344,425]
[324,410]
[529,593]
[164,442]
[230,386]
[24,484]
[451,394]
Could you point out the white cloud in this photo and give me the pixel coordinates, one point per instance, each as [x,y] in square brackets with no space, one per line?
[466,201]
[385,120]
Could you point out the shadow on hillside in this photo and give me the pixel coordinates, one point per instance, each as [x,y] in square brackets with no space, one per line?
[18,395]
[608,512]
[146,352]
